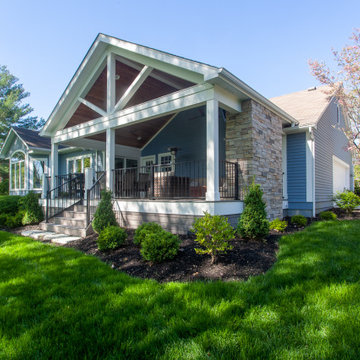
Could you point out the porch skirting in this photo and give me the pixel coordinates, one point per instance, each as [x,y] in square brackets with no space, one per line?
[175,216]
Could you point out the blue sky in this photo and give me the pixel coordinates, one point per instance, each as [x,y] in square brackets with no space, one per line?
[265,43]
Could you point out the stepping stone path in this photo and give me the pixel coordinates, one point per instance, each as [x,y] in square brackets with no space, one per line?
[50,236]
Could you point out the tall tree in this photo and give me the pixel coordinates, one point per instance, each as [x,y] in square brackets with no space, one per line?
[13,111]
[344,82]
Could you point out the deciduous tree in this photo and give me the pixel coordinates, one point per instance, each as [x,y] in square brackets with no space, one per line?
[344,84]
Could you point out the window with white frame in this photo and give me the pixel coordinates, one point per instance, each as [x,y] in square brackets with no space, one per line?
[168,160]
[147,162]
[17,171]
[78,164]
[37,171]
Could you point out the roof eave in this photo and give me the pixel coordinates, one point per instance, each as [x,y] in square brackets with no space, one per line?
[223,76]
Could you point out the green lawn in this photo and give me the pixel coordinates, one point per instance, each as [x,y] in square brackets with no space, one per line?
[58,303]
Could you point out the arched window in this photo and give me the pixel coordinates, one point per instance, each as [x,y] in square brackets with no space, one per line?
[17,171]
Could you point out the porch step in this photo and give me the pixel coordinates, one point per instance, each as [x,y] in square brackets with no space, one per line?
[74,214]
[63,229]
[73,222]
[79,208]
[60,239]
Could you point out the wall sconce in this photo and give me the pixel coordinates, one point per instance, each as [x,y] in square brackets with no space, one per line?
[173,150]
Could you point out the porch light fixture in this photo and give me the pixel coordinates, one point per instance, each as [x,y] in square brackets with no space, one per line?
[173,150]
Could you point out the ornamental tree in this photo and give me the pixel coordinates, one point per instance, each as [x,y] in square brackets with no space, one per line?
[344,84]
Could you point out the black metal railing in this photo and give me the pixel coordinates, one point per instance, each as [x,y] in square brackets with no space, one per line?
[67,193]
[180,180]
[93,196]
[229,180]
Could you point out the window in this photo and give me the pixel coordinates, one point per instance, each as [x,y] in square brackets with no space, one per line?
[78,164]
[17,171]
[146,162]
[38,170]
[167,159]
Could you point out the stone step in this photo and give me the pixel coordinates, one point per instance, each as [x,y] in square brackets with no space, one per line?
[49,236]
[72,222]
[74,214]
[79,208]
[63,229]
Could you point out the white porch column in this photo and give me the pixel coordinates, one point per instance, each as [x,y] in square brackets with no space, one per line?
[110,75]
[212,150]
[110,158]
[54,164]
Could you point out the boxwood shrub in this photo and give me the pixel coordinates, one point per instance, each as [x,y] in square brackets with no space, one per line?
[144,229]
[159,246]
[111,238]
[298,220]
[327,215]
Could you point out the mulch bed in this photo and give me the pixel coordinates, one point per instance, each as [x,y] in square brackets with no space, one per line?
[247,258]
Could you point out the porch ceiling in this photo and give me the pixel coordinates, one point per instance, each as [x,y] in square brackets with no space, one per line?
[136,135]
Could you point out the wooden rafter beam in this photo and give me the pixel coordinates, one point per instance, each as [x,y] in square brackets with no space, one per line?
[92,106]
[131,90]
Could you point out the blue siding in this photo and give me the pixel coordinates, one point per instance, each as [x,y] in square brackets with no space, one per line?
[187,132]
[296,167]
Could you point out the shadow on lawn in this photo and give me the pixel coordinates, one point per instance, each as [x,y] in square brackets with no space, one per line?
[58,303]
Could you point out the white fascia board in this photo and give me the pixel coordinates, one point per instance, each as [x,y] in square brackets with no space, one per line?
[181,100]
[6,142]
[91,59]
[226,79]
[158,55]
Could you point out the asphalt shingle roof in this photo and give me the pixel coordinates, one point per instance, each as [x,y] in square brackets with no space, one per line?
[306,106]
[32,138]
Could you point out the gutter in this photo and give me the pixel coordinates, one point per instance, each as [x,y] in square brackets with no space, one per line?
[226,76]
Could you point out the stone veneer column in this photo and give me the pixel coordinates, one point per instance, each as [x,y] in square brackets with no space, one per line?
[254,141]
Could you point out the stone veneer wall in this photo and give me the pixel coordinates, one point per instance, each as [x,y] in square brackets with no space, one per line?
[254,141]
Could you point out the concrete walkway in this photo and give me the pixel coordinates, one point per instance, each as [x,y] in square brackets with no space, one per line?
[50,236]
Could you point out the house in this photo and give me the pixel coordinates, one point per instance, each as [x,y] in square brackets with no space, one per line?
[28,156]
[316,162]
[171,138]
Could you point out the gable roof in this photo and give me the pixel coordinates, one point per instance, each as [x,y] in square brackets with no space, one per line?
[197,71]
[305,106]
[32,138]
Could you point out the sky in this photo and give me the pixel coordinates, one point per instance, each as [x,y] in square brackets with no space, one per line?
[267,44]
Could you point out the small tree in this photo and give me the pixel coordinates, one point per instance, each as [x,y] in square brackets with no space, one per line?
[253,223]
[213,233]
[104,215]
[347,201]
[344,84]
[33,213]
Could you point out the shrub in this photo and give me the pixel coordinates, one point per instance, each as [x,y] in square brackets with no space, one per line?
[159,246]
[33,213]
[14,221]
[347,201]
[253,223]
[3,218]
[327,215]
[9,204]
[299,220]
[4,187]
[278,225]
[144,229]
[111,237]
[104,215]
[213,233]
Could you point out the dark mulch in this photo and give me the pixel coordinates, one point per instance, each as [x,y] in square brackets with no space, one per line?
[247,258]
